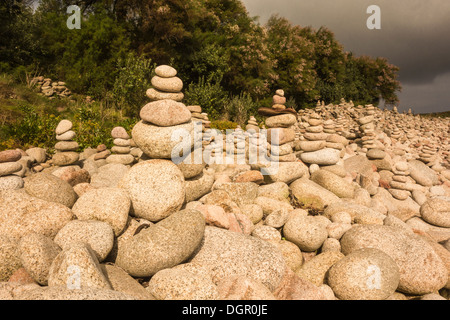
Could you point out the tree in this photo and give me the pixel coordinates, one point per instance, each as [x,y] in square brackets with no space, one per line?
[292,54]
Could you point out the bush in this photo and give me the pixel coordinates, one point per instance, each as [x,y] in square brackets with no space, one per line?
[33,129]
[240,108]
[210,96]
[223,125]
[132,81]
[93,124]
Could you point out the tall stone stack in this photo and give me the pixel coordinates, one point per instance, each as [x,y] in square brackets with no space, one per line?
[428,154]
[121,151]
[314,147]
[66,146]
[166,129]
[281,136]
[399,184]
[163,117]
[9,166]
[252,125]
[367,129]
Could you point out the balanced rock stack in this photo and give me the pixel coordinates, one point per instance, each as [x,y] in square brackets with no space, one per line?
[279,100]
[102,153]
[163,117]
[329,126]
[428,154]
[314,146]
[197,113]
[367,128]
[235,146]
[166,85]
[278,106]
[121,149]
[9,165]
[399,188]
[66,147]
[281,135]
[200,118]
[252,125]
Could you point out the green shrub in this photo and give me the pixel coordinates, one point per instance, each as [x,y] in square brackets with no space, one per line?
[132,81]
[210,96]
[240,108]
[33,129]
[223,125]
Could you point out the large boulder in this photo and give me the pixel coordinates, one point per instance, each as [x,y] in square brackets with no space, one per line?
[162,245]
[311,195]
[48,187]
[156,189]
[421,269]
[225,253]
[364,274]
[110,205]
[333,183]
[163,142]
[422,174]
[21,214]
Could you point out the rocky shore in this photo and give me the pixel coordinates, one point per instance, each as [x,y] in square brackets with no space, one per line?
[357,207]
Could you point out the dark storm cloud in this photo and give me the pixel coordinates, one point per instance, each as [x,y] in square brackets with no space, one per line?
[414,34]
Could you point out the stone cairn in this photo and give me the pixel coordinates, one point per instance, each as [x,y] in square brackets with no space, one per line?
[281,128]
[122,147]
[398,184]
[428,154]
[165,117]
[314,147]
[50,88]
[161,117]
[66,147]
[252,124]
[367,128]
[234,146]
[9,167]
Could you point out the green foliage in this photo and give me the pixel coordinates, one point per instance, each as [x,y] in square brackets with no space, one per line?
[223,125]
[240,108]
[132,81]
[210,96]
[33,129]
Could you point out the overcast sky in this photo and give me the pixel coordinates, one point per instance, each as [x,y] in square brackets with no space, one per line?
[414,35]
